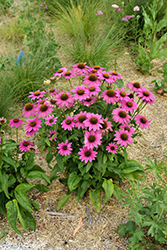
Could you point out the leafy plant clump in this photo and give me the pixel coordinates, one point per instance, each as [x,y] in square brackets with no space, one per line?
[16,168]
[149,47]
[161,85]
[88,128]
[148,208]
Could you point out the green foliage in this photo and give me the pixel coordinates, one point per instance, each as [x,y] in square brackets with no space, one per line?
[5,5]
[161,84]
[15,170]
[13,31]
[148,207]
[5,63]
[149,47]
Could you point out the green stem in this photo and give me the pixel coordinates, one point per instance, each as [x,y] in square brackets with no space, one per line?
[17,135]
[106,109]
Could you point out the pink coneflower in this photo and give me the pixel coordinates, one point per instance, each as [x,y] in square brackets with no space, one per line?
[36,95]
[64,100]
[107,125]
[60,72]
[97,68]
[69,74]
[92,139]
[29,110]
[53,91]
[25,146]
[80,68]
[105,76]
[123,138]
[120,115]
[44,110]
[134,86]
[32,126]
[87,154]
[52,102]
[15,122]
[109,96]
[144,123]
[129,105]
[91,79]
[68,123]
[144,94]
[88,101]
[121,94]
[112,148]
[93,90]
[93,122]
[51,133]
[64,148]
[41,101]
[115,75]
[50,120]
[80,118]
[32,132]
[128,128]
[81,92]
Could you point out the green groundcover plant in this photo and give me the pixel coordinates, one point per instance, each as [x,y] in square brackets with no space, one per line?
[87,129]
[147,224]
[16,168]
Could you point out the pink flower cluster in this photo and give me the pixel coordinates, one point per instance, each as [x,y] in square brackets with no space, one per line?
[126,18]
[64,113]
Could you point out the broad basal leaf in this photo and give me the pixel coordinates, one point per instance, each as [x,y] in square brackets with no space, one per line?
[12,215]
[95,199]
[73,181]
[109,189]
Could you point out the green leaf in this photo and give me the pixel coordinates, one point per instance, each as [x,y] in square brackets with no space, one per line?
[42,188]
[73,181]
[12,215]
[21,217]
[30,162]
[35,204]
[117,193]
[60,163]
[88,166]
[82,189]
[95,199]
[10,161]
[2,203]
[109,189]
[140,40]
[63,201]
[127,229]
[132,166]
[47,141]
[24,187]
[119,83]
[23,200]
[4,183]
[49,157]
[30,220]
[38,175]
[104,158]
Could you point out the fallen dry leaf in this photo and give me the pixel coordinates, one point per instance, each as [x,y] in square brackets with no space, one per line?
[79,226]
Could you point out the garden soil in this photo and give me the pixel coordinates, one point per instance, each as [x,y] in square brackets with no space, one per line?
[55,230]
